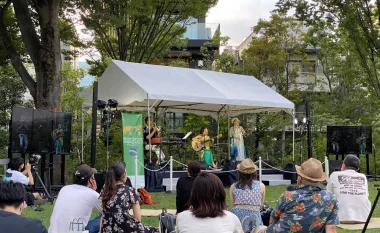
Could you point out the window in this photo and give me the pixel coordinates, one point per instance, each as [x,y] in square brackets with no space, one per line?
[308,67]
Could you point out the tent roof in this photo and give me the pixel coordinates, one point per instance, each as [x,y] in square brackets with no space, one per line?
[187,90]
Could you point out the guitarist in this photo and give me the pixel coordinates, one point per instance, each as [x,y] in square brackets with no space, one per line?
[206,153]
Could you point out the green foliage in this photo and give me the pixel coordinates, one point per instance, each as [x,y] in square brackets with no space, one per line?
[11,24]
[12,91]
[138,31]
[357,18]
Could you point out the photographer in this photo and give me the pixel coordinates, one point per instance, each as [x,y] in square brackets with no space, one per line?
[26,178]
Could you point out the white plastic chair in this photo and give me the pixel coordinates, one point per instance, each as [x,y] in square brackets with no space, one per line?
[4,162]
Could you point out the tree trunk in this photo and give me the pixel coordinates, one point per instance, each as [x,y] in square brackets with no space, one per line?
[44,51]
[48,69]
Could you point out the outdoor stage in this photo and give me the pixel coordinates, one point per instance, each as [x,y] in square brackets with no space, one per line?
[270,177]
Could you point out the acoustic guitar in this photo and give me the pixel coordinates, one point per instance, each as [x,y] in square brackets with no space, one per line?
[197,144]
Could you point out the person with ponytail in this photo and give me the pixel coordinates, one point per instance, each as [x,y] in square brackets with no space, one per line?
[117,200]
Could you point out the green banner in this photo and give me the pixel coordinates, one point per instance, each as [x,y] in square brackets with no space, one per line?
[133,145]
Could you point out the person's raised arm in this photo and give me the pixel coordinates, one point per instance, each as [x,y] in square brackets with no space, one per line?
[151,133]
[243,131]
[28,170]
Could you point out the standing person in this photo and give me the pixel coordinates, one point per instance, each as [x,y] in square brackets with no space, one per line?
[351,189]
[14,174]
[77,201]
[247,195]
[206,153]
[185,184]
[151,131]
[22,131]
[237,141]
[306,207]
[208,211]
[117,200]
[11,206]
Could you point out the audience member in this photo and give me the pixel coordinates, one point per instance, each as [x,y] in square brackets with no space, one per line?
[77,201]
[306,207]
[351,189]
[117,200]
[184,185]
[12,196]
[208,210]
[16,165]
[247,195]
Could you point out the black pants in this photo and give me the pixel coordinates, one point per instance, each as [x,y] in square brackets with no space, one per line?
[29,199]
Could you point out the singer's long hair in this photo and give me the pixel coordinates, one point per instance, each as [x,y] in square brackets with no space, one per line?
[114,173]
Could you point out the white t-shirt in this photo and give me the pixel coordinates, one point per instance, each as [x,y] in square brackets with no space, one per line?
[16,177]
[188,223]
[351,190]
[73,202]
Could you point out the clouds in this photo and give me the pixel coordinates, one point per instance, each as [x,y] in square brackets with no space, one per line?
[236,17]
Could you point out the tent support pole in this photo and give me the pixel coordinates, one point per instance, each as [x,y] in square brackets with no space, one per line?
[217,139]
[150,146]
[228,129]
[294,115]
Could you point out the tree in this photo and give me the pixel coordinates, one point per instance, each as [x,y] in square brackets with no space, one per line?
[359,18]
[138,30]
[275,57]
[12,93]
[33,33]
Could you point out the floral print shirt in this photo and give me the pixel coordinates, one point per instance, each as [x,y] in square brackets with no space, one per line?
[304,208]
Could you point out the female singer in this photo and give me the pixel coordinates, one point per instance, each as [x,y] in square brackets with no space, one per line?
[237,142]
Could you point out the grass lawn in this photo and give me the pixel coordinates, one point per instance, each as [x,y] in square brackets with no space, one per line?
[168,201]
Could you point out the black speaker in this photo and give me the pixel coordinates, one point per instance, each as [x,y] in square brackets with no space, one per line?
[290,167]
[99,177]
[335,165]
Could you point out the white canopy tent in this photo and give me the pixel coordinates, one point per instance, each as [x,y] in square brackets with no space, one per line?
[139,87]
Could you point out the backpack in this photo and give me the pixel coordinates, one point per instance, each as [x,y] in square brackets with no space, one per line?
[145,196]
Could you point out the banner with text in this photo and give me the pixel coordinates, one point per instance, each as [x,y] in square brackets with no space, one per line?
[133,145]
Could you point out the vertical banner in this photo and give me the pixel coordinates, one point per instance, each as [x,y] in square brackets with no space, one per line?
[133,146]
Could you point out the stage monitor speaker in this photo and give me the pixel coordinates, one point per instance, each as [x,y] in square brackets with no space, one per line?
[229,165]
[290,167]
[335,165]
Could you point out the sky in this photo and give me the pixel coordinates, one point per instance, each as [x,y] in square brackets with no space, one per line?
[237,17]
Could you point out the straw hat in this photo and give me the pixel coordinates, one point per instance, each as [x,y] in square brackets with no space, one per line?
[234,119]
[311,170]
[247,167]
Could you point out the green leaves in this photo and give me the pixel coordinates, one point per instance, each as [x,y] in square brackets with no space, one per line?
[138,31]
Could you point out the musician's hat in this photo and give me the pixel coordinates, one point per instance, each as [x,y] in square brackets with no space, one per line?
[247,167]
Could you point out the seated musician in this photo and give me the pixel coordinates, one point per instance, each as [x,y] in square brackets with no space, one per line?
[206,153]
[154,133]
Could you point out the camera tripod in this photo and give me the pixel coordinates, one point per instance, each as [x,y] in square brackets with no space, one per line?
[49,197]
[372,209]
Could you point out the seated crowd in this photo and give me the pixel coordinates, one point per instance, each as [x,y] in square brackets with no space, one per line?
[201,202]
